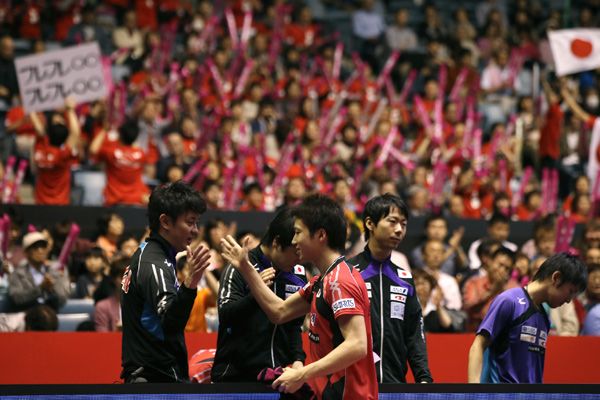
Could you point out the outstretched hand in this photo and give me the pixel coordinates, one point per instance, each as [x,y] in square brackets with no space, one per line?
[198,260]
[233,253]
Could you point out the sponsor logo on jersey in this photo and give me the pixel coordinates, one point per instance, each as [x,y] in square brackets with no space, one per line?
[170,265]
[126,280]
[397,310]
[531,330]
[313,336]
[543,334]
[343,304]
[397,297]
[292,288]
[398,289]
[299,269]
[404,274]
[527,338]
[313,319]
[368,285]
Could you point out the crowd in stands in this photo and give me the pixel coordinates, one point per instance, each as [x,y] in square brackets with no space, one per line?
[257,104]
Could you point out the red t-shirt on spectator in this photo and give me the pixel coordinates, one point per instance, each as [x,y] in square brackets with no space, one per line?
[146,14]
[124,169]
[30,23]
[550,134]
[53,181]
[16,114]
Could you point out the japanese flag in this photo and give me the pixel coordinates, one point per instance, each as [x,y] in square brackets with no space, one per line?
[575,50]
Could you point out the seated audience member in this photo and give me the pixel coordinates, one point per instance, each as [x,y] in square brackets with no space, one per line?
[253,198]
[37,318]
[433,253]
[107,312]
[520,273]
[498,229]
[96,266]
[436,228]
[35,282]
[591,302]
[544,238]
[480,291]
[110,228]
[126,246]
[436,317]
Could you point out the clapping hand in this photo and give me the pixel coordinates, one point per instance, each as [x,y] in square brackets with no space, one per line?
[235,254]
[198,260]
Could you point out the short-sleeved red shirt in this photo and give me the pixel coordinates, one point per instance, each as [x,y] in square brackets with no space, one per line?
[53,181]
[124,170]
[340,291]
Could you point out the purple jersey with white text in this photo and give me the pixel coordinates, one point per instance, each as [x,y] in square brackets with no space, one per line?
[518,331]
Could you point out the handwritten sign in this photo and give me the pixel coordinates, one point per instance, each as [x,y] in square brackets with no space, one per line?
[46,79]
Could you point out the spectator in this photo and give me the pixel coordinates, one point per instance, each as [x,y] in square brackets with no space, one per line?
[110,230]
[55,152]
[125,163]
[88,30]
[436,317]
[368,26]
[39,318]
[400,36]
[591,325]
[96,268]
[498,229]
[107,312]
[9,88]
[436,228]
[35,282]
[433,253]
[480,291]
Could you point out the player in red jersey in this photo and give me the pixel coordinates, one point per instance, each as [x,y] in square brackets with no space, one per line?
[341,347]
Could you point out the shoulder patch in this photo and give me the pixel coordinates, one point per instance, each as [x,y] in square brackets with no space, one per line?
[342,304]
[403,273]
[299,270]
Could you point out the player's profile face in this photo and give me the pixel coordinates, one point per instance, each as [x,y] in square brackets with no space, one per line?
[184,230]
[302,241]
[561,294]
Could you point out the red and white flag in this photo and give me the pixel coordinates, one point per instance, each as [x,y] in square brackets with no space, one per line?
[575,50]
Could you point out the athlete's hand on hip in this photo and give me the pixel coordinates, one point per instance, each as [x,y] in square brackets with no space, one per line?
[233,253]
[198,260]
[290,381]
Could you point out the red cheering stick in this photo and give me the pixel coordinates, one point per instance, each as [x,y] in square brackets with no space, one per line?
[18,181]
[565,228]
[503,174]
[9,171]
[3,238]
[31,228]
[241,85]
[337,60]
[387,147]
[477,134]
[214,72]
[246,29]
[233,33]
[458,85]
[408,84]
[68,246]
[437,186]
[374,120]
[387,69]
[422,113]
[194,170]
[391,90]
[402,159]
[517,197]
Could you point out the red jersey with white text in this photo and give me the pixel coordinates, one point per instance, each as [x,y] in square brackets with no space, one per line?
[124,169]
[53,180]
[339,291]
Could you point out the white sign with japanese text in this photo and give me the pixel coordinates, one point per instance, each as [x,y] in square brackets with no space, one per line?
[46,79]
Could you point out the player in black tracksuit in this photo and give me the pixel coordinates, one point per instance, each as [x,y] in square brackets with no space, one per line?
[396,317]
[154,306]
[247,341]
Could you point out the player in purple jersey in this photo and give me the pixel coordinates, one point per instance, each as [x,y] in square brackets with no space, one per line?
[512,336]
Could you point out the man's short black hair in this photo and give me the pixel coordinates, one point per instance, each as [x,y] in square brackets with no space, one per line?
[173,199]
[435,217]
[251,187]
[486,246]
[320,212]
[380,207]
[571,268]
[498,218]
[128,132]
[57,134]
[41,318]
[505,251]
[281,229]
